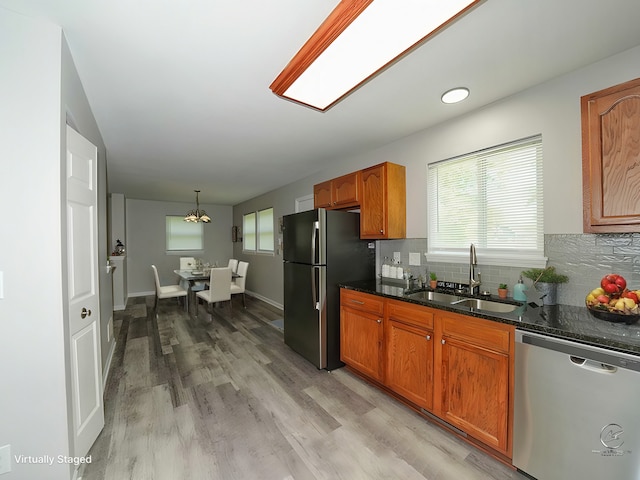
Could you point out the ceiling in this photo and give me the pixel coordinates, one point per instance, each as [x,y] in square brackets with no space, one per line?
[180,89]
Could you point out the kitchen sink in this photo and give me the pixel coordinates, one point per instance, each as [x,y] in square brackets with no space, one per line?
[487,305]
[428,295]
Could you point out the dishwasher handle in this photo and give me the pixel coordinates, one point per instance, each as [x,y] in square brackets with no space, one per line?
[590,356]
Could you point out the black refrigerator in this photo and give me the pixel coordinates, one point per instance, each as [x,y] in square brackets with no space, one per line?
[322,248]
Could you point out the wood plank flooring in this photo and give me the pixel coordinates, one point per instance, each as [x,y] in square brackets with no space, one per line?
[222,397]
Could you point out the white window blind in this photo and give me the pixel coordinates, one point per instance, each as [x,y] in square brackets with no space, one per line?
[183,236]
[249,231]
[491,198]
[258,232]
[265,230]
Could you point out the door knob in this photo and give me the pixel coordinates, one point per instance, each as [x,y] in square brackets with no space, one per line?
[85,313]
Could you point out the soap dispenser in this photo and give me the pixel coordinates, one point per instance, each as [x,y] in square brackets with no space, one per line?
[519,291]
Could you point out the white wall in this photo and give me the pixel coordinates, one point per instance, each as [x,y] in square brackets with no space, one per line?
[33,403]
[145,242]
[552,109]
[39,88]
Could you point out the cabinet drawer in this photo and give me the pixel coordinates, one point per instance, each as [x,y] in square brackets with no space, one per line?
[483,333]
[362,301]
[410,314]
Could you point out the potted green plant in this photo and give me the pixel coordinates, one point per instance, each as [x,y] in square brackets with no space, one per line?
[546,281]
[503,290]
[433,282]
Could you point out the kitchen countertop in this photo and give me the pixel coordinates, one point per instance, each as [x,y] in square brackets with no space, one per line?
[564,321]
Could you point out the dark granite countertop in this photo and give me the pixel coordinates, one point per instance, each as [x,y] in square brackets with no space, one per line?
[564,321]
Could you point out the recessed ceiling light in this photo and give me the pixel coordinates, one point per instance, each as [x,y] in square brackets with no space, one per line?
[455,95]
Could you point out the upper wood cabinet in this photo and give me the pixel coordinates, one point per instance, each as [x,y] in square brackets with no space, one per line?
[383,202]
[341,192]
[379,191]
[611,159]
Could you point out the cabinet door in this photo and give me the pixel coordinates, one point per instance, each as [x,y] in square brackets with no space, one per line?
[322,195]
[373,214]
[361,335]
[346,190]
[475,391]
[611,159]
[410,362]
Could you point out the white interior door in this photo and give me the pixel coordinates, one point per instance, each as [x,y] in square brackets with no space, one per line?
[84,301]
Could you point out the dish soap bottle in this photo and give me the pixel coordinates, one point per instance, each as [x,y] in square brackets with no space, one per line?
[519,290]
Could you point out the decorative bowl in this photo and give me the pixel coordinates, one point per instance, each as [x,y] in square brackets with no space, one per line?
[609,316]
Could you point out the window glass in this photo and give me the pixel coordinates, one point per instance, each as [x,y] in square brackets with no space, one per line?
[491,198]
[265,230]
[249,231]
[183,236]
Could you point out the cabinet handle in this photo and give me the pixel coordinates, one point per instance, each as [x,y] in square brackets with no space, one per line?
[379,320]
[442,341]
[428,337]
[381,230]
[357,301]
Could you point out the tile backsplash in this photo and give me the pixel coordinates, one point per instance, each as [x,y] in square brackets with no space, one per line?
[584,258]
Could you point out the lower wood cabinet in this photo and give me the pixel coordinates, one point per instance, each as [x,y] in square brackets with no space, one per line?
[361,332]
[474,376]
[457,367]
[409,341]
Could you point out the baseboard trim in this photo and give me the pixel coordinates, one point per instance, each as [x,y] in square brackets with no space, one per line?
[265,299]
[142,294]
[107,365]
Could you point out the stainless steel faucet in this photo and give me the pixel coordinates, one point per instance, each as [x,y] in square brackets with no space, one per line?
[474,285]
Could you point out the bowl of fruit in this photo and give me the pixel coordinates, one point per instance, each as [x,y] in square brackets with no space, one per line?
[613,301]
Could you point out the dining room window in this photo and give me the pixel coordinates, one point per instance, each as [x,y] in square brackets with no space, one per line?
[491,198]
[258,231]
[183,236]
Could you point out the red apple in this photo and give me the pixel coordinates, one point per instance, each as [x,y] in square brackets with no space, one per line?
[603,299]
[629,294]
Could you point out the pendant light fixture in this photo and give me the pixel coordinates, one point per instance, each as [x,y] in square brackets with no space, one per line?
[358,40]
[197,215]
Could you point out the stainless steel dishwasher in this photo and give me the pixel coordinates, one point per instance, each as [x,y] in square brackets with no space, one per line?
[577,410]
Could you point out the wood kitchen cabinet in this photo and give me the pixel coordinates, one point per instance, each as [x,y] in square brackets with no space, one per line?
[611,159]
[379,192]
[383,202]
[473,381]
[456,367]
[362,332]
[341,192]
[409,347]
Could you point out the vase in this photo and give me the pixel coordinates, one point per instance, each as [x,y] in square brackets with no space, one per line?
[433,284]
[502,292]
[548,292]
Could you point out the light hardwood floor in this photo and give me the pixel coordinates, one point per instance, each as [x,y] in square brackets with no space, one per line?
[224,398]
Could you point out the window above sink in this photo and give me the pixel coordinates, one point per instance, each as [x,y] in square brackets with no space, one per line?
[491,198]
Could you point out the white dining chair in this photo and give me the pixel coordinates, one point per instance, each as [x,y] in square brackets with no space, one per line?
[219,288]
[189,263]
[166,291]
[233,265]
[238,285]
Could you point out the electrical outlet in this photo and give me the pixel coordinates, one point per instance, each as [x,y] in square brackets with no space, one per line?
[396,257]
[5,459]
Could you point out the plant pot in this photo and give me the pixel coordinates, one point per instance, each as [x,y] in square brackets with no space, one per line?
[502,292]
[433,284]
[548,292]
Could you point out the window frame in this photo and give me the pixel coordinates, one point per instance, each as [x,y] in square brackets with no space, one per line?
[531,257]
[255,232]
[179,220]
